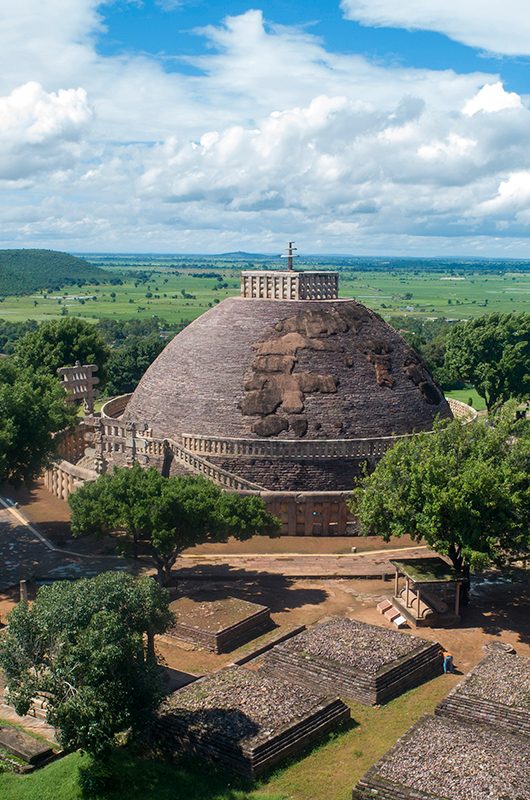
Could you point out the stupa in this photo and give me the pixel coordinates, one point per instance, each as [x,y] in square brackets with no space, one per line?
[285,390]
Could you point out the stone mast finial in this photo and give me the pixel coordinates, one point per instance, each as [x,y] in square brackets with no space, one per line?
[290,255]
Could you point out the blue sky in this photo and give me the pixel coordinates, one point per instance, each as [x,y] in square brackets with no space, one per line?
[354,126]
[172,34]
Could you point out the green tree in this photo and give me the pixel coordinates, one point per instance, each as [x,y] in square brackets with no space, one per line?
[463,489]
[128,363]
[60,343]
[32,409]
[493,354]
[166,515]
[83,644]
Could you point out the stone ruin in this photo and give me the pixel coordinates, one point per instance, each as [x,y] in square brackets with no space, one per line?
[23,752]
[476,747]
[362,662]
[442,759]
[218,625]
[247,722]
[496,692]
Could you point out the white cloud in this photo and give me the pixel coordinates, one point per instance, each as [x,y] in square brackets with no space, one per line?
[491,98]
[513,194]
[39,130]
[500,26]
[346,154]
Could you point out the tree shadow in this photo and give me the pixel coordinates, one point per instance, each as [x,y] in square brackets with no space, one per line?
[501,603]
[278,592]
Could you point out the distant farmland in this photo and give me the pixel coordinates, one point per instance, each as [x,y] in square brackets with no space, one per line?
[179,290]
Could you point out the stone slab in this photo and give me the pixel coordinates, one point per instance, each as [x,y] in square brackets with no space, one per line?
[24,746]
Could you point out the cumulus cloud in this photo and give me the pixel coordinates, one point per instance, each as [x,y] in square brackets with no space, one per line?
[500,26]
[491,98]
[513,195]
[38,129]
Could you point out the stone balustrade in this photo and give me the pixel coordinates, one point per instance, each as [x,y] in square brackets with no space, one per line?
[114,408]
[203,467]
[62,478]
[461,410]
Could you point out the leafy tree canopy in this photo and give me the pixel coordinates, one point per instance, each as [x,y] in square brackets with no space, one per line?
[429,338]
[60,343]
[464,489]
[166,515]
[10,332]
[128,363]
[493,354]
[32,408]
[83,644]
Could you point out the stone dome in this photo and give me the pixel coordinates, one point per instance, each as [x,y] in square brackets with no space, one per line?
[287,369]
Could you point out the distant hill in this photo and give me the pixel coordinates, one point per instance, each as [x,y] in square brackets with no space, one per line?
[240,254]
[25,271]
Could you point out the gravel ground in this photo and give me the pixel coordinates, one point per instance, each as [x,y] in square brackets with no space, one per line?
[461,762]
[212,615]
[353,644]
[241,705]
[500,678]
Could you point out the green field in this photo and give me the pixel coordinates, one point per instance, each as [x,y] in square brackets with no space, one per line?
[329,771]
[394,293]
[465,395]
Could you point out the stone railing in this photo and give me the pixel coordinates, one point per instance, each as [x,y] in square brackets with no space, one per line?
[71,443]
[203,467]
[461,410]
[62,478]
[288,448]
[291,449]
[114,408]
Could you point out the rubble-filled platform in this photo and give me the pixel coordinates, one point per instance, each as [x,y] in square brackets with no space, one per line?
[246,721]
[219,625]
[355,660]
[445,759]
[496,692]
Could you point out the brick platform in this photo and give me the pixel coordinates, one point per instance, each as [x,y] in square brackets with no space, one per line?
[245,721]
[443,759]
[359,661]
[496,693]
[219,625]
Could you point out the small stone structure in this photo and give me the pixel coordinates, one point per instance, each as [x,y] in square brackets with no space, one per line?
[356,660]
[431,595]
[496,693]
[443,759]
[218,625]
[289,285]
[245,721]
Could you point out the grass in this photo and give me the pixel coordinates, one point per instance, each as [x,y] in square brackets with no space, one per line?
[328,771]
[465,395]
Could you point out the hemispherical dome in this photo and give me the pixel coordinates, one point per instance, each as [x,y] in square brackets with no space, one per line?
[251,368]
